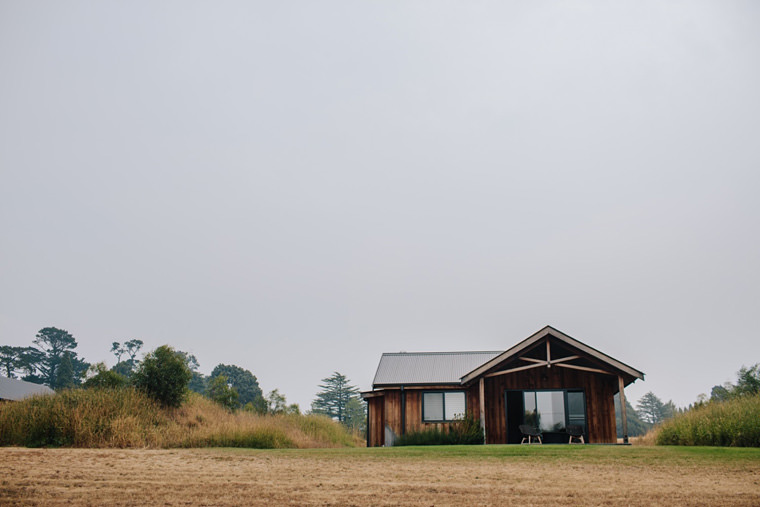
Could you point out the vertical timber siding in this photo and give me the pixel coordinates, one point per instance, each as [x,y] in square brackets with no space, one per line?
[599,389]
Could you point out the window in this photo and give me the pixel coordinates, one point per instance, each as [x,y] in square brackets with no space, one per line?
[443,406]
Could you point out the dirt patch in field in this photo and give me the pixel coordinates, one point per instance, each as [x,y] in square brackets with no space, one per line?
[219,477]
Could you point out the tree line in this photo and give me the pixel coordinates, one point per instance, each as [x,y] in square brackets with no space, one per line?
[167,374]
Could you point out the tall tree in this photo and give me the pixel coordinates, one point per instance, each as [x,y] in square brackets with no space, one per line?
[335,394]
[651,408]
[131,348]
[52,343]
[244,382]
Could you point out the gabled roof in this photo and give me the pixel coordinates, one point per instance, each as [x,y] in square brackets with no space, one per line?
[431,368]
[559,335]
[14,389]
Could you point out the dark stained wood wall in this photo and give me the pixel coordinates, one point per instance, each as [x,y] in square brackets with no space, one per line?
[376,418]
[599,389]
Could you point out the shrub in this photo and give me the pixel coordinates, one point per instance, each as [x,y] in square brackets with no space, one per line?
[466,431]
[734,423]
[105,379]
[164,376]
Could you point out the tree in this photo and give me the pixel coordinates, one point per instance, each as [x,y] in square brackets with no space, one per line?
[258,406]
[164,376]
[65,377]
[650,408]
[14,361]
[335,393]
[131,348]
[722,393]
[100,377]
[244,382]
[220,391]
[356,415]
[748,381]
[276,403]
[52,343]
[198,382]
[636,426]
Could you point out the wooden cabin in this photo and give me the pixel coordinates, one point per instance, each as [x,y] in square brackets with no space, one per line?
[549,380]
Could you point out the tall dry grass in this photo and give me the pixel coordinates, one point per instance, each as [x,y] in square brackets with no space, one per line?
[734,423]
[128,418]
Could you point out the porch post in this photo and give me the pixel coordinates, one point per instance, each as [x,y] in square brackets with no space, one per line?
[482,398]
[621,385]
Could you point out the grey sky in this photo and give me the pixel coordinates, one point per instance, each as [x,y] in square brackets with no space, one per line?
[297,187]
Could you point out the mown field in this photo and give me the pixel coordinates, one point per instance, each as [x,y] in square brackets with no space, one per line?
[490,475]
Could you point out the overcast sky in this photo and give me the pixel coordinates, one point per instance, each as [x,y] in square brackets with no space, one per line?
[297,187]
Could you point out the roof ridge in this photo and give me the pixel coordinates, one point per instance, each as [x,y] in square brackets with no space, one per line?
[443,352]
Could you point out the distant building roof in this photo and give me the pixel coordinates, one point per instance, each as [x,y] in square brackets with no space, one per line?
[409,368]
[14,389]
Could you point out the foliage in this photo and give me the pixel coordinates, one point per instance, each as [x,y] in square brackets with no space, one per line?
[747,383]
[130,348]
[65,377]
[164,376]
[45,360]
[129,418]
[651,409]
[221,392]
[100,377]
[356,415]
[258,406]
[636,427]
[18,361]
[465,431]
[335,394]
[244,382]
[730,423]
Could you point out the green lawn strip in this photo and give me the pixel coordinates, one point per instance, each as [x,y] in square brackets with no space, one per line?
[588,454]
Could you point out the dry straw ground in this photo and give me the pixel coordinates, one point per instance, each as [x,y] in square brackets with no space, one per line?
[414,476]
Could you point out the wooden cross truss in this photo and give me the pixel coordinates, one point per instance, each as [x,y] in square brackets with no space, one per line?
[562,362]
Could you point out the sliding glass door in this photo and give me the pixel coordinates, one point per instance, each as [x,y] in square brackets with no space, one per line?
[548,410]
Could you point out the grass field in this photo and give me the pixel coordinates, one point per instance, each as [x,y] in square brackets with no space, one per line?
[490,475]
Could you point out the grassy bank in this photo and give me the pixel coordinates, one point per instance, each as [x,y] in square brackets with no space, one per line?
[734,423]
[127,418]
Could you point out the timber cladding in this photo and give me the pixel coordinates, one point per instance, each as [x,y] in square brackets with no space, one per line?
[599,390]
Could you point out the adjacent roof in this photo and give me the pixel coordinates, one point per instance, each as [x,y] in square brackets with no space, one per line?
[14,389]
[410,368]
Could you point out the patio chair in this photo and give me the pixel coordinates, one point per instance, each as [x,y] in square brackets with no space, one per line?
[575,431]
[529,433]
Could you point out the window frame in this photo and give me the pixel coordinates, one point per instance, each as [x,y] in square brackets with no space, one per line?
[443,405]
[564,392]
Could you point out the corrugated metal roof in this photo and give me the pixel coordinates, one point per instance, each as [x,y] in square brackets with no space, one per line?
[428,367]
[14,389]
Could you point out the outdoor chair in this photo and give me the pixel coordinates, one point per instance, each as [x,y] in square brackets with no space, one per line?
[530,432]
[575,431]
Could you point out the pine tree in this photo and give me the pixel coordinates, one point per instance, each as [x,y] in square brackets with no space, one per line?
[335,394]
